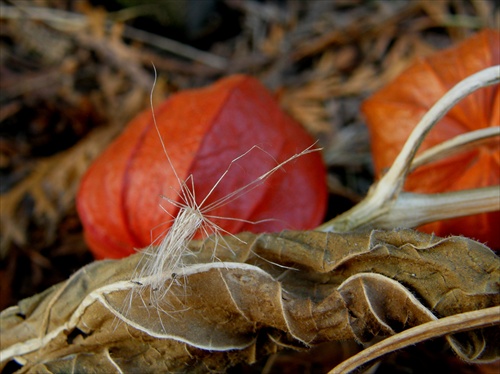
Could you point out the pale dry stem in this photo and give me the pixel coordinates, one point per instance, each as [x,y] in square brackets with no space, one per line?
[385,201]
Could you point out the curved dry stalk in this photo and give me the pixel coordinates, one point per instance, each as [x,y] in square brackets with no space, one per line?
[397,173]
[385,196]
[455,145]
[427,208]
[447,325]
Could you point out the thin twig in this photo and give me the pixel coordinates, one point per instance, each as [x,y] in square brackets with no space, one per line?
[447,325]
[459,143]
[176,47]
[70,21]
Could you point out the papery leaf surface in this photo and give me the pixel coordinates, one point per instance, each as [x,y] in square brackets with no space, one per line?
[273,290]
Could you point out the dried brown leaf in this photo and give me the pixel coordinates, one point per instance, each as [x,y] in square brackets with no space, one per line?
[288,289]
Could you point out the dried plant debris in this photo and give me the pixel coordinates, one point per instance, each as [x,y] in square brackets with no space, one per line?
[62,100]
[277,290]
[67,68]
[52,187]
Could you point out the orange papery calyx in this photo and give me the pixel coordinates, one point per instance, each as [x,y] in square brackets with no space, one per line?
[204,130]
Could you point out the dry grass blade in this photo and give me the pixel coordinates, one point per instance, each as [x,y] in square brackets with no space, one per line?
[447,325]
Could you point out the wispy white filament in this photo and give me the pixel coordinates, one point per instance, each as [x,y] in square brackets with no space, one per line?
[161,262]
